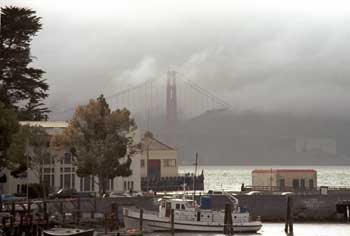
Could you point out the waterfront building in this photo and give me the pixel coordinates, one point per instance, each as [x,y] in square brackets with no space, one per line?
[284,179]
[59,172]
[157,159]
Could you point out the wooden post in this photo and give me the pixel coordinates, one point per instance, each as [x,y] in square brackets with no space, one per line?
[63,214]
[94,207]
[46,216]
[228,228]
[172,219]
[28,206]
[78,210]
[141,220]
[116,211]
[288,227]
[13,213]
[106,225]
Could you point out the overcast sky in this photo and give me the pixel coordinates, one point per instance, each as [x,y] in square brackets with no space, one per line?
[257,55]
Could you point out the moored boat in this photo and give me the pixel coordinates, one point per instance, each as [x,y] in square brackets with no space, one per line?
[68,232]
[188,216]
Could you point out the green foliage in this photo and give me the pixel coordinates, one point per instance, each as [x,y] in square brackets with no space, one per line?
[30,148]
[101,140]
[30,145]
[8,127]
[21,86]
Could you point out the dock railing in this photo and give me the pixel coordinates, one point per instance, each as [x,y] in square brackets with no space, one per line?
[296,190]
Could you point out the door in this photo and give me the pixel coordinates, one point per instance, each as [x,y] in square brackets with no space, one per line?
[282,184]
[154,168]
[296,184]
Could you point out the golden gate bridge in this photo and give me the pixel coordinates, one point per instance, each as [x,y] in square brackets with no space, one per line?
[159,104]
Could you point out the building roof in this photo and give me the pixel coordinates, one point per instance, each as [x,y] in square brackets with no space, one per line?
[46,124]
[154,144]
[260,171]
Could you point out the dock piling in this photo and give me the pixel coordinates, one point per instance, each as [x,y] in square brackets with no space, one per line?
[228,226]
[172,219]
[141,220]
[288,228]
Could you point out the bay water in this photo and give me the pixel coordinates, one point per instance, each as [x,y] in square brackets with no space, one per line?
[230,178]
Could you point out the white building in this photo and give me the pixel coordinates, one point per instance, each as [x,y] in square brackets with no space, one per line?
[60,172]
[284,179]
[157,158]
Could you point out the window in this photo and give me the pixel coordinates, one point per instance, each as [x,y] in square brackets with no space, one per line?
[282,184]
[67,158]
[132,185]
[183,207]
[125,188]
[46,180]
[67,169]
[61,181]
[302,184]
[67,184]
[47,170]
[169,163]
[112,184]
[92,183]
[73,181]
[177,206]
[142,163]
[52,180]
[311,183]
[81,184]
[87,183]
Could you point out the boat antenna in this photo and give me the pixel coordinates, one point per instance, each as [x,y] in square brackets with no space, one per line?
[194,176]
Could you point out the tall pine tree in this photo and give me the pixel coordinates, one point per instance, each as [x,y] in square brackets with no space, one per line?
[22,87]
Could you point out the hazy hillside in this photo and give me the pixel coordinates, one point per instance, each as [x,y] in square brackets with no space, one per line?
[224,137]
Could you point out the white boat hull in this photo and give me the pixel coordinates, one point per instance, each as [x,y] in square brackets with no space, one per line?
[157,224]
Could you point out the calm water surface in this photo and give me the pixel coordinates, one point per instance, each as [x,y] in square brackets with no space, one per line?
[270,229]
[231,177]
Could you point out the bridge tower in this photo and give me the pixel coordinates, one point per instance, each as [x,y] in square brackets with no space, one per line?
[171,107]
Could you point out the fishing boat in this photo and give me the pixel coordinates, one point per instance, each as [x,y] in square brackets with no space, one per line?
[189,216]
[68,232]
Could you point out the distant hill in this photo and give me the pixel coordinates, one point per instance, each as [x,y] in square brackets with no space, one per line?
[249,138]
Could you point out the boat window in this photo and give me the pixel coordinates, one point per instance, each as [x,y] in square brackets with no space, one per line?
[183,207]
[177,206]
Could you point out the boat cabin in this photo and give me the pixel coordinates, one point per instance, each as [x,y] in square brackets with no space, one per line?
[189,210]
[166,205]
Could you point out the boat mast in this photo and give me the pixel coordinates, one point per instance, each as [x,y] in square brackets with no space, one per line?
[194,176]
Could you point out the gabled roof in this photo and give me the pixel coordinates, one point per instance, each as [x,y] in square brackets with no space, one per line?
[154,144]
